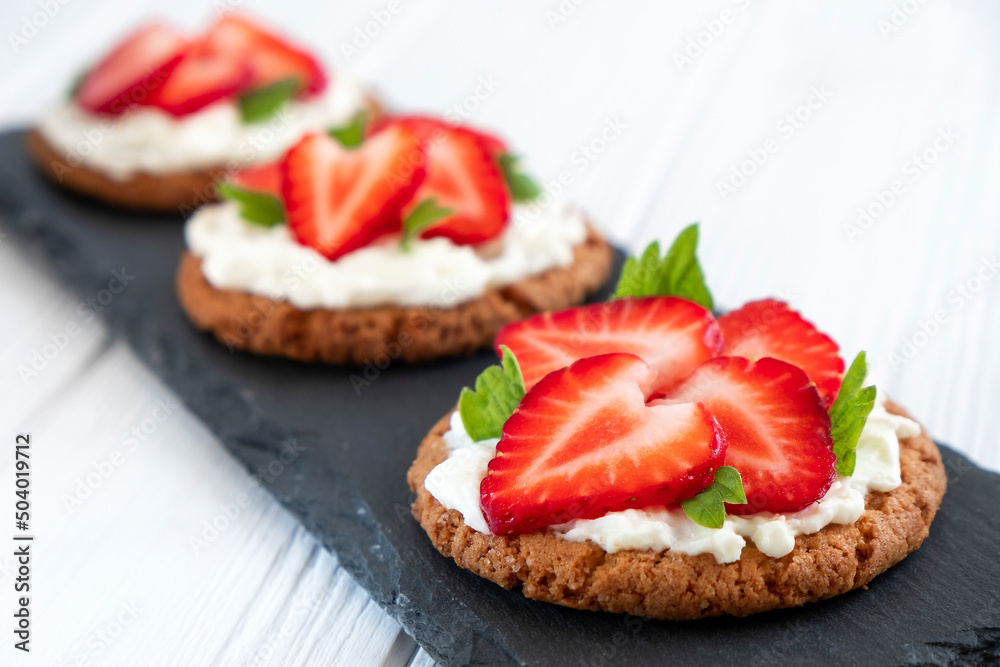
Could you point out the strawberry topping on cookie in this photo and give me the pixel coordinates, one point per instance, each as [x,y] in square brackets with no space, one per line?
[200,77]
[673,335]
[341,190]
[776,425]
[136,66]
[269,57]
[769,328]
[583,442]
[158,66]
[462,176]
[339,199]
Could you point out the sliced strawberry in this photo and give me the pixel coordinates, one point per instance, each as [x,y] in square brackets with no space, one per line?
[338,200]
[270,57]
[673,335]
[264,178]
[429,128]
[462,176]
[769,328]
[134,67]
[583,443]
[776,425]
[493,145]
[200,77]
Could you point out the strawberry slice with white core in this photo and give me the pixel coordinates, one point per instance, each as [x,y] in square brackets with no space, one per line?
[339,199]
[583,443]
[201,76]
[270,57]
[461,175]
[776,427]
[673,335]
[127,74]
[770,328]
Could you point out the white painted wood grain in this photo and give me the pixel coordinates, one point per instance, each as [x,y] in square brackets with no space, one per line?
[262,592]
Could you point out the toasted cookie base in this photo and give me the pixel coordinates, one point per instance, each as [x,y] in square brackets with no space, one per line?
[386,333]
[673,586]
[179,192]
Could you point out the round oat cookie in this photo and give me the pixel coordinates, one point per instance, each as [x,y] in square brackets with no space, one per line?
[384,333]
[673,586]
[178,192]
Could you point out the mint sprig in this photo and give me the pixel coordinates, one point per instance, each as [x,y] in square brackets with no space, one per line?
[423,216]
[708,507]
[262,103]
[677,274]
[352,134]
[848,414]
[522,187]
[256,207]
[499,389]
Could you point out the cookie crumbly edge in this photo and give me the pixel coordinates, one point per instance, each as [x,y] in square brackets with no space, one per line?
[673,586]
[382,334]
[174,192]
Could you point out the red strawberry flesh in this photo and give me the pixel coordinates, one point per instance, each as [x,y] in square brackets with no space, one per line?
[199,78]
[776,427]
[430,128]
[769,328]
[673,335]
[583,443]
[338,200]
[133,68]
[463,176]
[270,57]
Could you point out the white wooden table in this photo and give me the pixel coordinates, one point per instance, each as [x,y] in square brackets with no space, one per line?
[784,129]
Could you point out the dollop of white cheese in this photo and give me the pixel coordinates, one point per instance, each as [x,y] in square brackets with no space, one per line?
[238,255]
[150,140]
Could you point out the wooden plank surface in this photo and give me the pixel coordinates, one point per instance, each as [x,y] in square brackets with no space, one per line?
[835,104]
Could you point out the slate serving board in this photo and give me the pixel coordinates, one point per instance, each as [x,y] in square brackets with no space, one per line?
[348,486]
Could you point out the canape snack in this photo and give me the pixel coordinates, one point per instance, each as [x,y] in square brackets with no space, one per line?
[411,240]
[643,456]
[164,115]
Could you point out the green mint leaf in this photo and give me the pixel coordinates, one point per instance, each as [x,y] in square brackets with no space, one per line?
[847,461]
[522,187]
[854,378]
[256,207]
[423,216]
[640,276]
[352,134]
[730,484]
[498,391]
[260,104]
[849,413]
[677,274]
[708,508]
